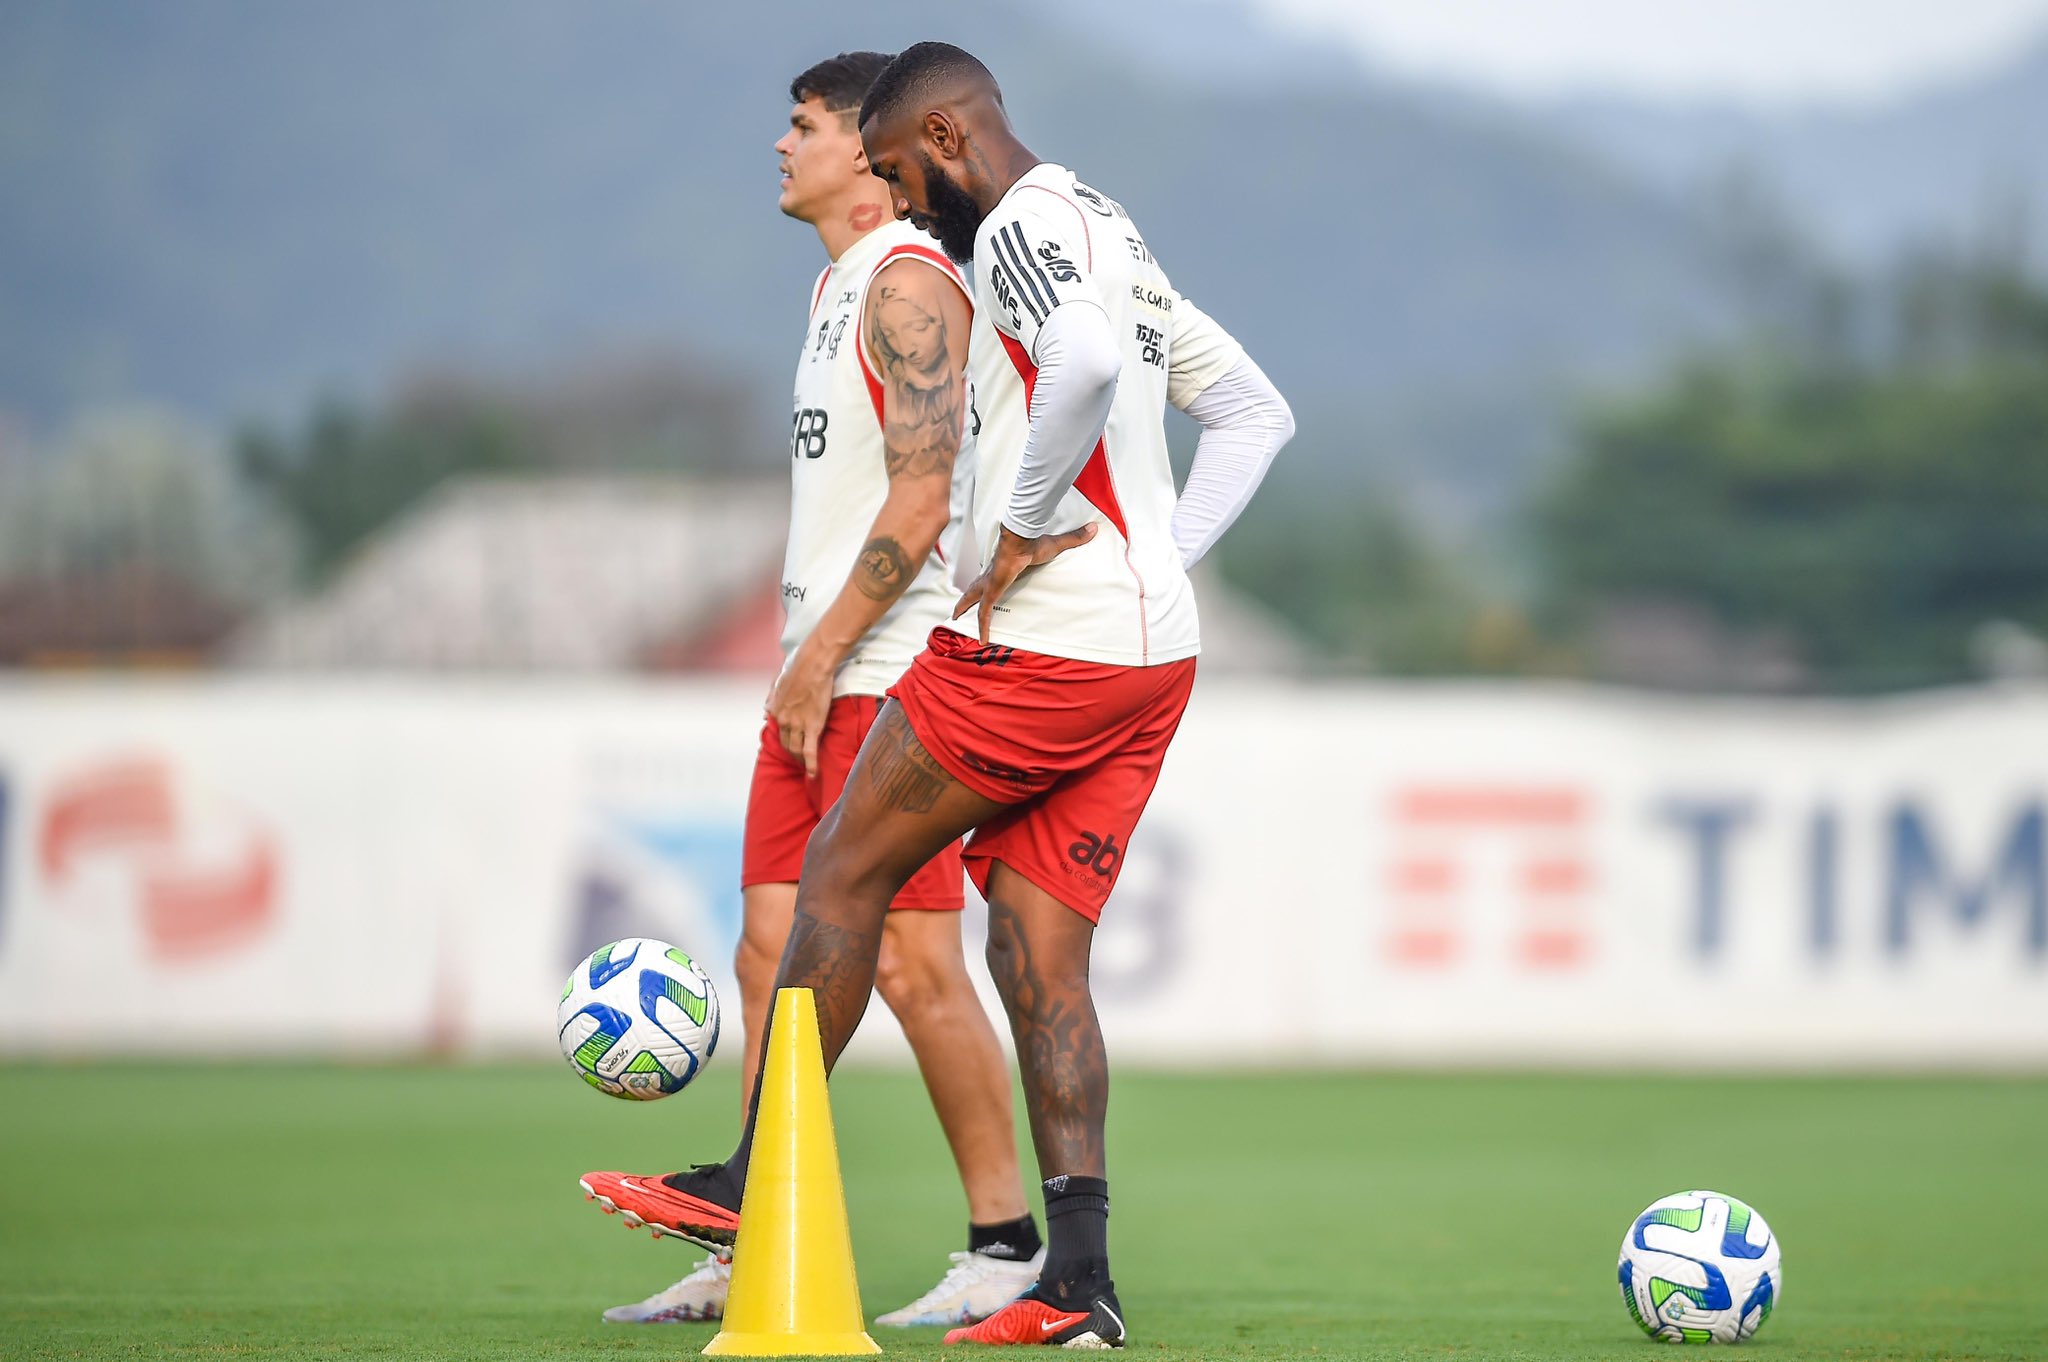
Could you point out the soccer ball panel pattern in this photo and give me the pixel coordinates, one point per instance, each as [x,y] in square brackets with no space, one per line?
[1700,1267]
[638,1019]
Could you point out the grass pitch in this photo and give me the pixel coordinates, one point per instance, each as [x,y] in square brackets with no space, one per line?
[332,1212]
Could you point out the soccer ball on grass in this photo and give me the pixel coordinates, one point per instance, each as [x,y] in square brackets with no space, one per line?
[1700,1267]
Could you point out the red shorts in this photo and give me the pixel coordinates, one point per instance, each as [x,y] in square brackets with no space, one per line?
[1074,748]
[784,806]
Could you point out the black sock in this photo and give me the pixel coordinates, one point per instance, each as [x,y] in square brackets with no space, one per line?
[736,1166]
[732,1174]
[1014,1240]
[1077,1226]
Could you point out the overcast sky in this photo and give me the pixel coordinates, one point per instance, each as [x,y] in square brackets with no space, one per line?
[1755,51]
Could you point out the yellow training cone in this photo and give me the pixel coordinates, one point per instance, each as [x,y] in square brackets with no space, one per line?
[793,1292]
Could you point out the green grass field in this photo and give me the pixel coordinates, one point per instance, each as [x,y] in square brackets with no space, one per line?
[335,1212]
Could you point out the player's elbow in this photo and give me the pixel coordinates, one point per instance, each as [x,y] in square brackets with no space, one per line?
[1080,344]
[930,524]
[1095,362]
[1259,407]
[1280,420]
[923,508]
[1097,383]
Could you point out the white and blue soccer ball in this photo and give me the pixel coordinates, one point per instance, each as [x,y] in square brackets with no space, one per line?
[638,1019]
[1700,1267]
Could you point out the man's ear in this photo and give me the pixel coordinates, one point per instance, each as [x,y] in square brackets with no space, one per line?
[944,135]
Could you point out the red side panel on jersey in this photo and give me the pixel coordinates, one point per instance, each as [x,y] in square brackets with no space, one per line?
[1094,481]
[860,349]
[818,290]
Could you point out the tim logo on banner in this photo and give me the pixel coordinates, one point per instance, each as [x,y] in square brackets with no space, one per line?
[1511,869]
[1459,849]
[1925,884]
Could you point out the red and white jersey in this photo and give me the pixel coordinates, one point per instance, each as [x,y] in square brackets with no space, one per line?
[1123,597]
[839,474]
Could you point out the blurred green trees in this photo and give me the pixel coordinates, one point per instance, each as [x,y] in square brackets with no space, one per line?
[1854,498]
[350,468]
[1871,504]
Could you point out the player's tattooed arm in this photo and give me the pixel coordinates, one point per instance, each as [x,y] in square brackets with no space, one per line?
[884,569]
[914,328]
[920,355]
[915,331]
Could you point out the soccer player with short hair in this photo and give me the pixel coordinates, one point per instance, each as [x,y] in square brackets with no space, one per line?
[1043,733]
[881,409]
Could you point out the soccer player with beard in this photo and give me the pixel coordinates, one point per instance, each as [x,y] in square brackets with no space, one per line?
[876,439]
[1044,731]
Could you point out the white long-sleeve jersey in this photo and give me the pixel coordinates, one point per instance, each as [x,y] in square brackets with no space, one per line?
[1123,598]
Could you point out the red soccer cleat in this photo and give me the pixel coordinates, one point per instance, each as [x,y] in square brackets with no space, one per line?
[1031,1320]
[653,1203]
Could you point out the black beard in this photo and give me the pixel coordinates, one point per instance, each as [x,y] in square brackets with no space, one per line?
[954,217]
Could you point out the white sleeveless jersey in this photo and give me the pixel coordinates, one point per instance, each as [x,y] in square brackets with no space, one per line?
[1123,597]
[839,476]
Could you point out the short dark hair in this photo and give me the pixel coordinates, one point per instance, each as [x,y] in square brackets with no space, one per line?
[839,82]
[917,71]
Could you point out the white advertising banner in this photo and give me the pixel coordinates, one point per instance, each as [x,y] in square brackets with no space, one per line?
[1388,874]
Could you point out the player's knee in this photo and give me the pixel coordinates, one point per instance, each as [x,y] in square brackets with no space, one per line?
[832,862]
[842,868]
[916,981]
[756,957]
[1004,959]
[1049,970]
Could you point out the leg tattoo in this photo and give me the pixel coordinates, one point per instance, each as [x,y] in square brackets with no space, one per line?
[903,775]
[837,963]
[1059,1048]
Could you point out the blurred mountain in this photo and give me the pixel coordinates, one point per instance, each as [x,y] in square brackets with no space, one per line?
[1218,42]
[1948,162]
[231,205]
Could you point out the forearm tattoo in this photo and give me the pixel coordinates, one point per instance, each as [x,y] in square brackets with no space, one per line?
[885,570]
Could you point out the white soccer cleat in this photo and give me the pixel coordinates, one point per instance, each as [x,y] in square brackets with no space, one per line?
[975,1287]
[697,1297]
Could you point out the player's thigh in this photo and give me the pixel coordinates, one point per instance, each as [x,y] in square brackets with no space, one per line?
[899,809]
[846,727]
[922,952]
[1068,844]
[1071,841]
[781,815]
[939,884]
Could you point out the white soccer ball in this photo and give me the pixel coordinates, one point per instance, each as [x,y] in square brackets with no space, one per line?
[1700,1267]
[638,1019]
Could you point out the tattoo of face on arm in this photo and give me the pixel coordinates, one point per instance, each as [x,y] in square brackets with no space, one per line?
[885,570]
[908,336]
